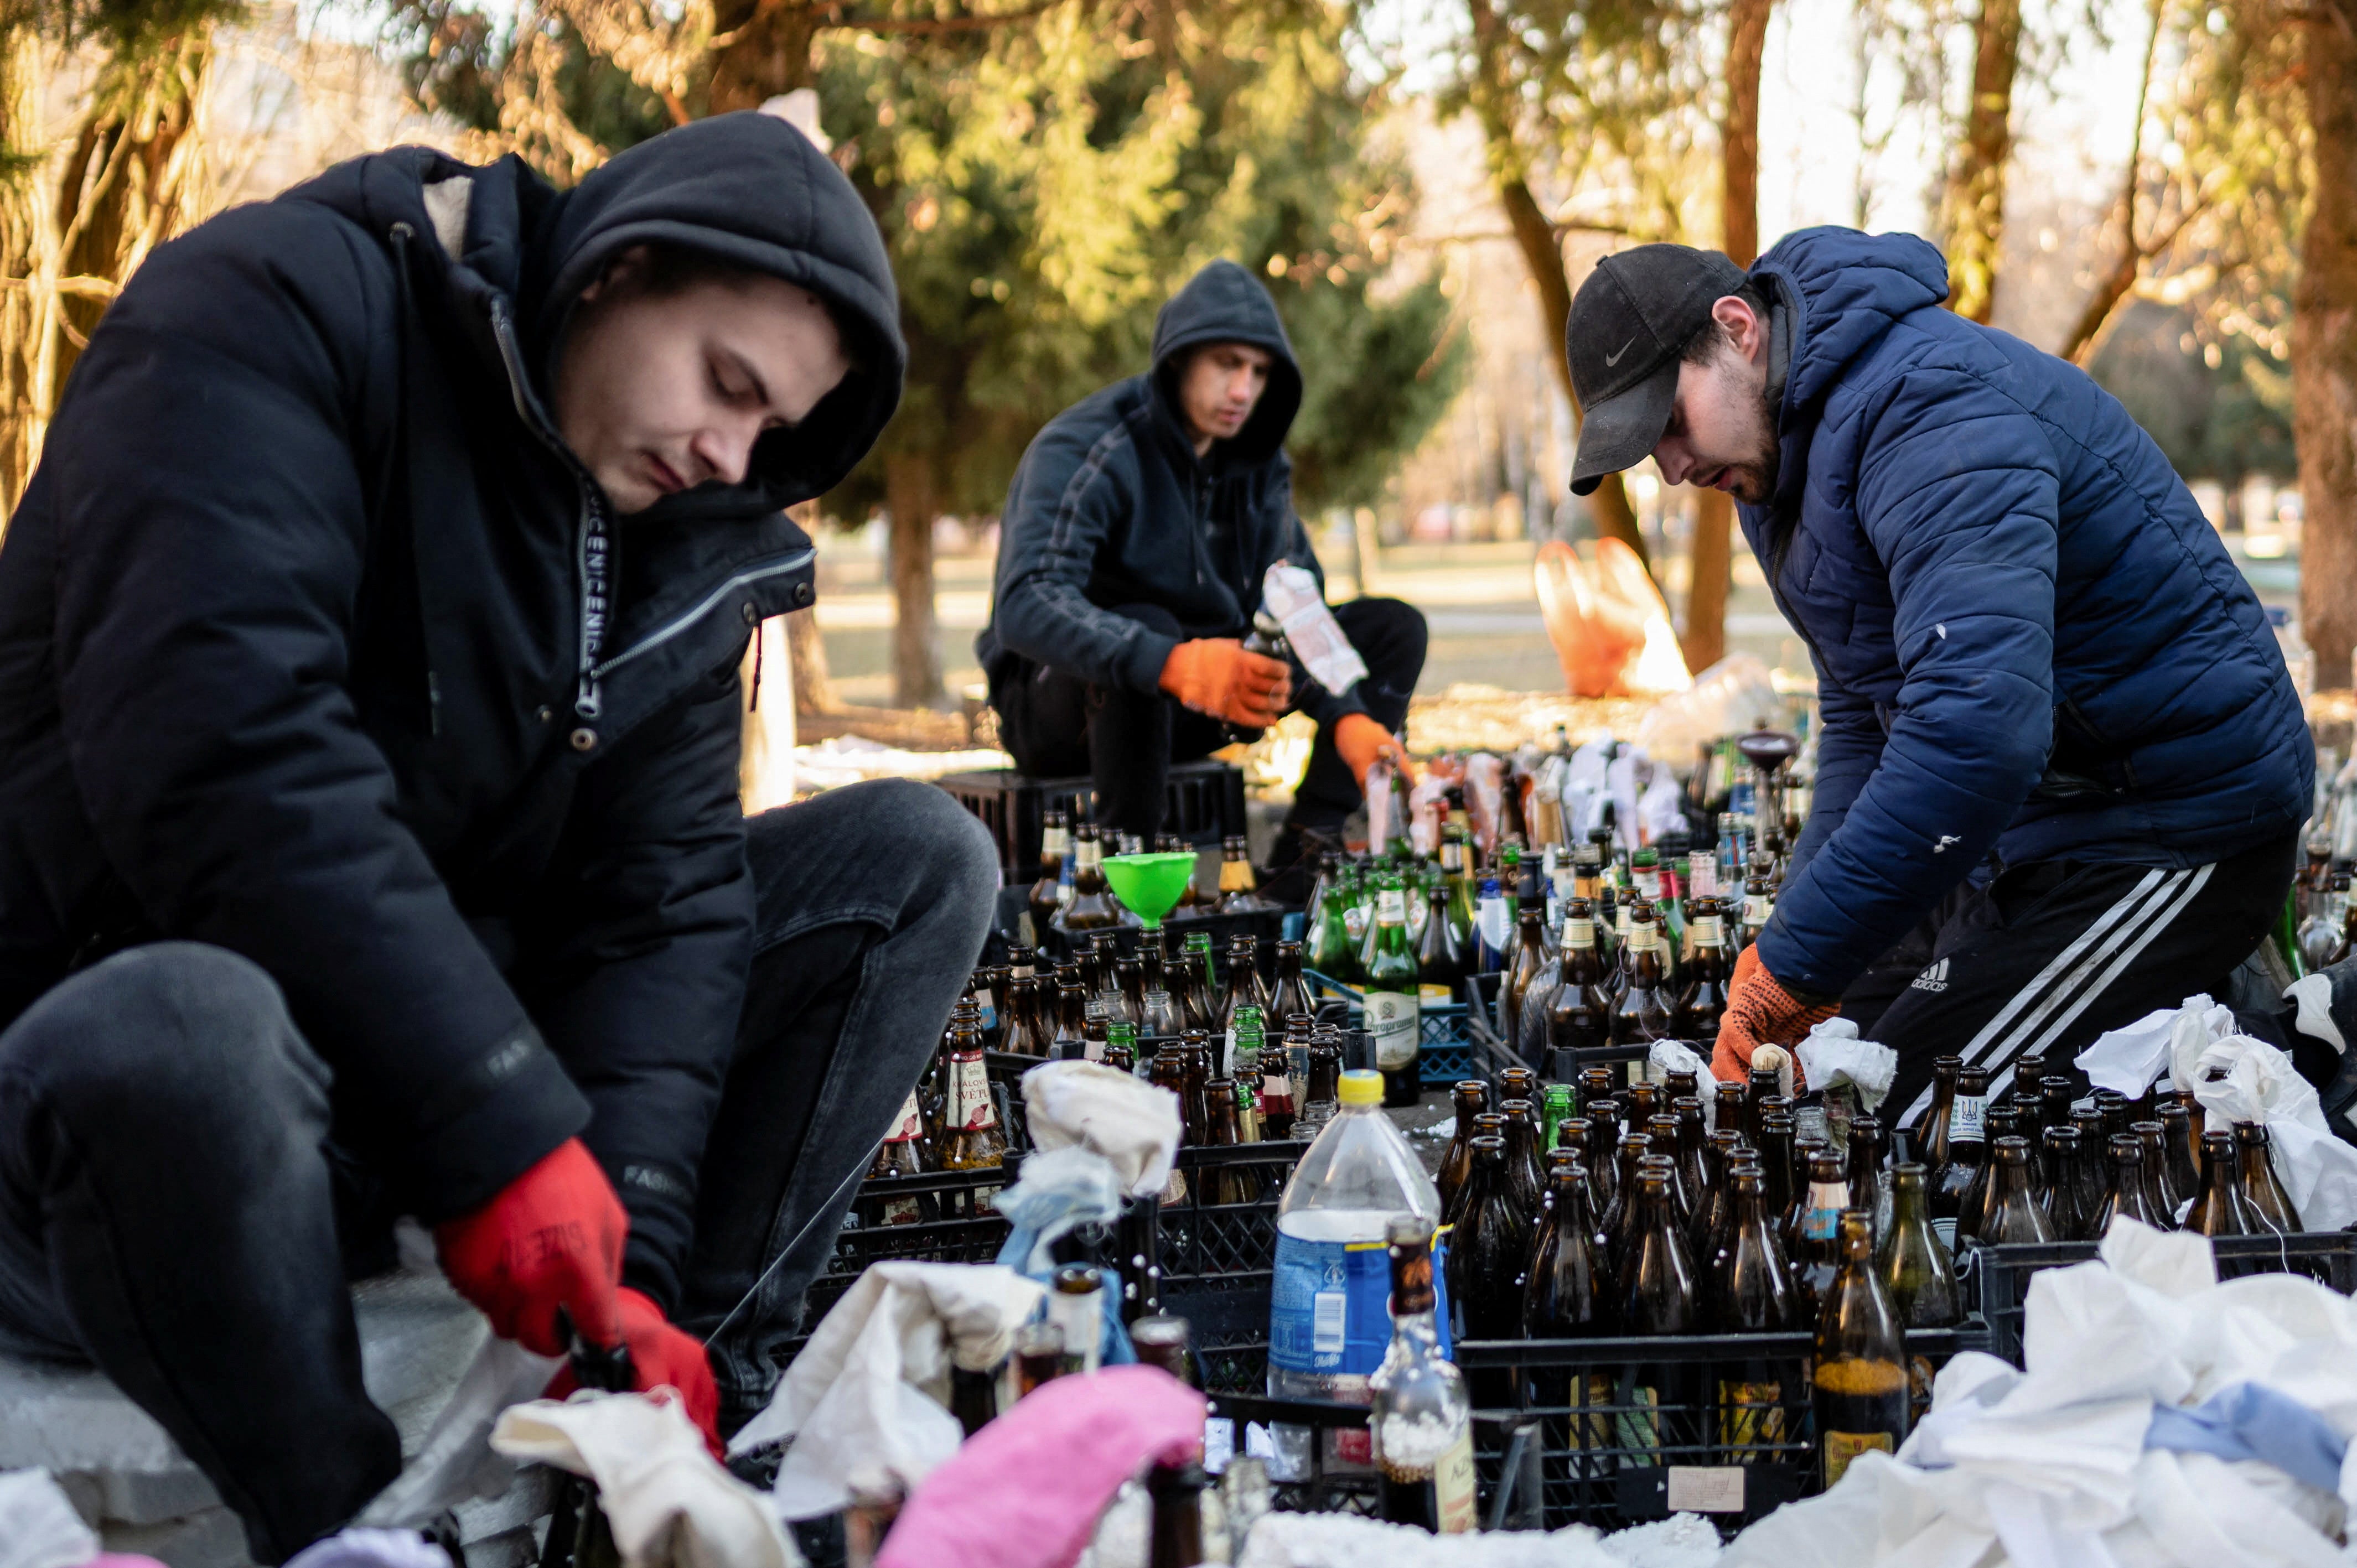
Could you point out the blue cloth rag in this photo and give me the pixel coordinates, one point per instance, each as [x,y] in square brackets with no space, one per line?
[2250,1420]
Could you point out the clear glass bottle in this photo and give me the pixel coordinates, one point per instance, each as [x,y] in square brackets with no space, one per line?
[1423,1421]
[2013,1215]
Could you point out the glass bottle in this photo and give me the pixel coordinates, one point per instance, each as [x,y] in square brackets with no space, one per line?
[2013,1214]
[1288,998]
[1391,997]
[1438,959]
[1047,894]
[1022,1037]
[1162,1017]
[1775,1146]
[1223,1184]
[1620,1218]
[2184,1147]
[1927,1135]
[1861,1394]
[1727,1108]
[1554,1110]
[1566,1295]
[1751,1288]
[1277,1104]
[1915,1267]
[2218,1208]
[1704,1000]
[1328,946]
[2061,1198]
[1867,1190]
[1422,1420]
[1471,1098]
[1643,1013]
[1694,1177]
[1092,906]
[2126,1193]
[1579,1014]
[1719,1152]
[1662,1128]
[1490,1248]
[2263,1194]
[1320,1094]
[2000,1121]
[1603,1118]
[1524,1179]
[1486,1125]
[1530,957]
[972,1140]
[2158,1194]
[1175,1535]
[902,1153]
[1239,889]
[1166,1342]
[1656,1291]
[1243,985]
[1817,1253]
[1961,1143]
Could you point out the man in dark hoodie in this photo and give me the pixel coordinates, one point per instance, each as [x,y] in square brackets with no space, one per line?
[2061,766]
[1131,557]
[369,830]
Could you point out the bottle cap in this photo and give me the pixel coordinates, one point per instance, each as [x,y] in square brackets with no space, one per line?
[1362,1086]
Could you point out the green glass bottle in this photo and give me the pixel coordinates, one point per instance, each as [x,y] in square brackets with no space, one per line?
[1557,1108]
[1391,996]
[1915,1268]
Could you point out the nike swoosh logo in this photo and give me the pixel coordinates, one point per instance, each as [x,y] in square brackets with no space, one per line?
[1612,360]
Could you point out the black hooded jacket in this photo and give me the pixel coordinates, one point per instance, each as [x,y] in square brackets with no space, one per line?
[317,645]
[1111,505]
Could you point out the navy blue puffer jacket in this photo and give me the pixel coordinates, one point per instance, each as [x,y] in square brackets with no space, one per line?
[2028,638]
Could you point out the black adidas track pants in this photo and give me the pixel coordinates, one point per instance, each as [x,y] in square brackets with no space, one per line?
[2051,953]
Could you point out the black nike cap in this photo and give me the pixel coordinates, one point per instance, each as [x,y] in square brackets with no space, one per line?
[1633,318]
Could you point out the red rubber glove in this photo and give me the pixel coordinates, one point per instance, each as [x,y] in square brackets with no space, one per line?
[1214,675]
[662,1357]
[1761,1012]
[553,1238]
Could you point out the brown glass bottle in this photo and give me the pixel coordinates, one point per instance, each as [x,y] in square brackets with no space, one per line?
[2001,1120]
[2218,1208]
[1094,906]
[1642,1012]
[1022,1037]
[2183,1146]
[1927,1135]
[1244,982]
[1719,1153]
[1524,1179]
[1175,1536]
[1814,1251]
[1704,1000]
[1438,959]
[1521,969]
[1775,1147]
[972,1138]
[1866,1141]
[1662,1128]
[2061,1198]
[1656,1292]
[1290,998]
[2013,1214]
[1860,1393]
[1471,1097]
[1727,1109]
[1054,836]
[1692,1175]
[2159,1194]
[1961,1142]
[1603,1116]
[1490,1249]
[1166,1342]
[1750,1286]
[1567,1293]
[1195,1095]
[2126,1195]
[2269,1205]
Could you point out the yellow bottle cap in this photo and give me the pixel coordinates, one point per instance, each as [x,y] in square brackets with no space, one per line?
[1363,1086]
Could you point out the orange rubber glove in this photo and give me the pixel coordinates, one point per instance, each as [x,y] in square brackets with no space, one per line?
[1360,740]
[662,1357]
[1214,675]
[552,1238]
[1761,1012]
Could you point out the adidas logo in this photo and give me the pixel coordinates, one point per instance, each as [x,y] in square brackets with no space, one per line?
[1934,978]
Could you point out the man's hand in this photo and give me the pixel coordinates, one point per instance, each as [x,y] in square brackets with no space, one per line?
[1361,740]
[662,1356]
[1215,676]
[552,1238]
[1761,1012]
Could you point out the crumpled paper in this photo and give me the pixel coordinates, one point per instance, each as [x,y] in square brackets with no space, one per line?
[1833,1054]
[1114,1114]
[867,1402]
[670,1503]
[2051,1467]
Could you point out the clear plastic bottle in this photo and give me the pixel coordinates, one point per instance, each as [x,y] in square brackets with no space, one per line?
[1330,1309]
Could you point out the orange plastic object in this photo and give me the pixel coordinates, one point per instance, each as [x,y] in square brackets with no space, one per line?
[1608,623]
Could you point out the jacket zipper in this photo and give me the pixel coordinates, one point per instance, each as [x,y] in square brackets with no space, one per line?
[594,544]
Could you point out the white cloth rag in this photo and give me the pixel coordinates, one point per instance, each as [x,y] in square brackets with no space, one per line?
[455,1463]
[669,1502]
[39,1528]
[865,1404]
[1292,595]
[1345,1541]
[1833,1054]
[1122,1117]
[2260,1084]
[362,1547]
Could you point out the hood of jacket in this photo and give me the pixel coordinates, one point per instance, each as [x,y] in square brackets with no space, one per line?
[1851,287]
[1225,304]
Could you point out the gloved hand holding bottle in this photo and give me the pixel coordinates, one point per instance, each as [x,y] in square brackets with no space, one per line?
[1761,1011]
[1219,676]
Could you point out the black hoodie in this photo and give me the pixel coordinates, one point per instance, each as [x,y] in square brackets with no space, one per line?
[1111,505]
[316,644]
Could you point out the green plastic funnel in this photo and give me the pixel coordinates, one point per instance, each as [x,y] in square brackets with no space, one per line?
[1148,885]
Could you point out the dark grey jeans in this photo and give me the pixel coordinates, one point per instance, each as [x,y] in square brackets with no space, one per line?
[168,1203]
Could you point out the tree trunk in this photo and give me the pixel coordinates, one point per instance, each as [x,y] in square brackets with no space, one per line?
[1974,216]
[2324,347]
[1709,563]
[1543,253]
[909,495]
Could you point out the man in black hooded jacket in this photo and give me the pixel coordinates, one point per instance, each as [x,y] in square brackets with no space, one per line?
[1131,556]
[369,829]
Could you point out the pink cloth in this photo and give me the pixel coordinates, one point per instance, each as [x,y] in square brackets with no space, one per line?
[1026,1491]
[121,1560]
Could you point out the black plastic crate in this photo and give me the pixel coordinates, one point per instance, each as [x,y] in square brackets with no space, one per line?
[1456,1041]
[1202,802]
[2001,1274]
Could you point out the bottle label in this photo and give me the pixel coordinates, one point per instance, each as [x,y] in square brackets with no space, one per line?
[1964,1119]
[1355,920]
[1494,922]
[909,1125]
[1648,882]
[1946,1230]
[1330,1306]
[1823,1217]
[1705,930]
[1579,934]
[1392,1019]
[970,1105]
[1644,936]
[1755,909]
[1841,1447]
[901,1211]
[1226,1065]
[1390,906]
[1452,1486]
[1276,1089]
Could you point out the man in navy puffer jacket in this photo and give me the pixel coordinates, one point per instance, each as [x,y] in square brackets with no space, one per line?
[2063,768]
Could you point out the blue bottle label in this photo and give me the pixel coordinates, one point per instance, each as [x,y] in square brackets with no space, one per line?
[1330,1305]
